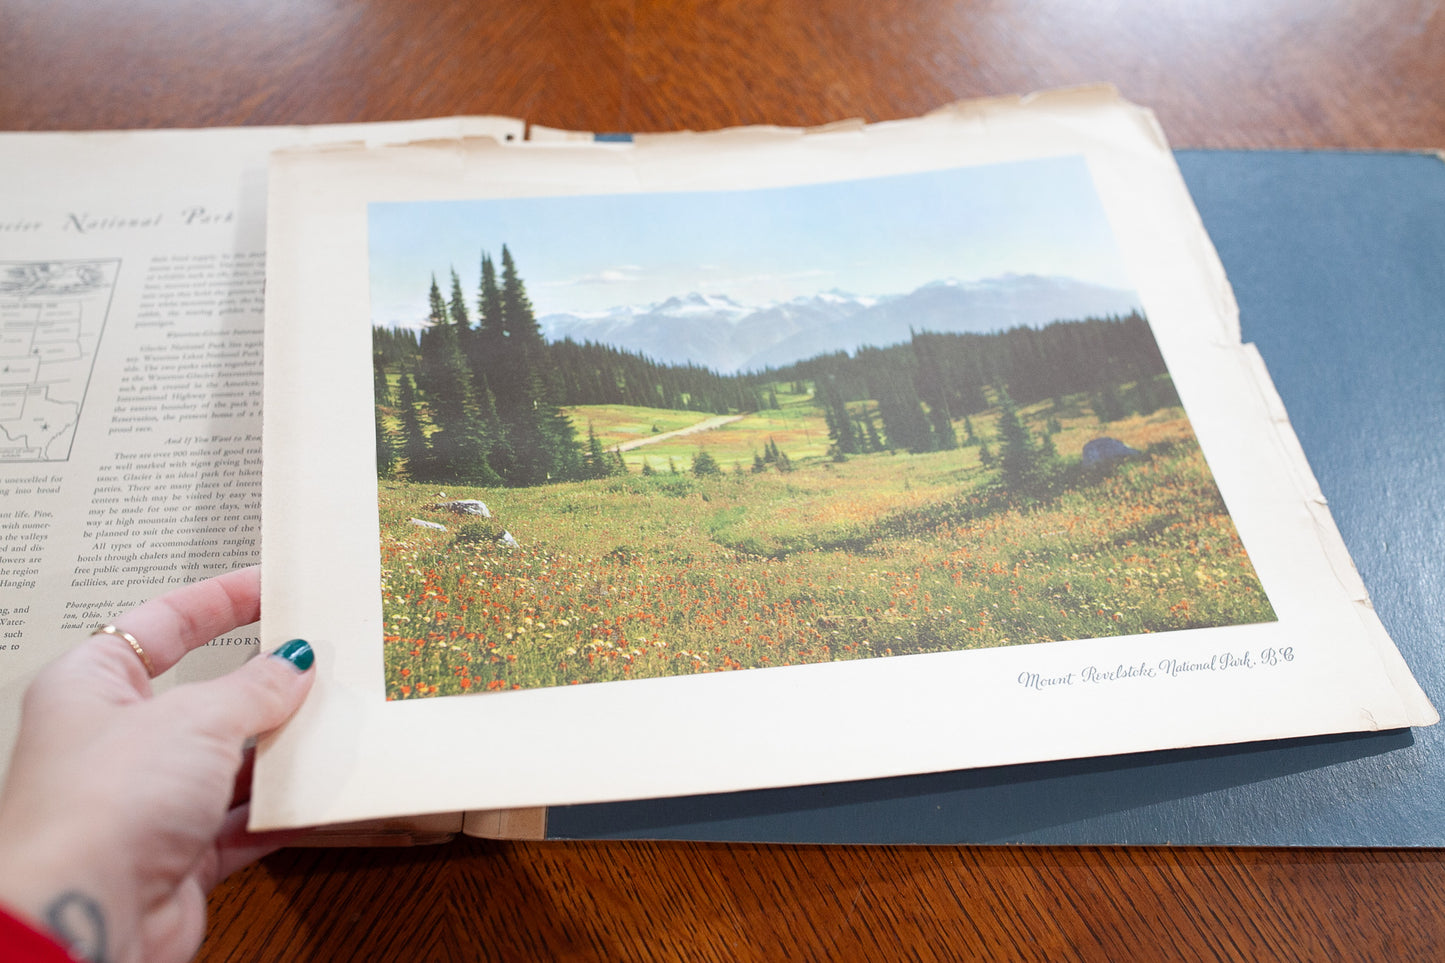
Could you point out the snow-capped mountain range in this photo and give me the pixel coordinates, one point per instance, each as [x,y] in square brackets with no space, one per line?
[717,332]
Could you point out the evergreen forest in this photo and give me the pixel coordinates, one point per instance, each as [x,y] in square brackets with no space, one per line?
[479,396]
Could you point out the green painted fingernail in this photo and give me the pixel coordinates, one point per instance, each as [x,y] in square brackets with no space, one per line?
[298,653]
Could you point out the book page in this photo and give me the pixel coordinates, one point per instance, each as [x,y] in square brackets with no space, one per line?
[132,278]
[764,457]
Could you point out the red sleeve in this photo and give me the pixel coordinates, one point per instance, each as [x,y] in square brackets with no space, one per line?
[22,943]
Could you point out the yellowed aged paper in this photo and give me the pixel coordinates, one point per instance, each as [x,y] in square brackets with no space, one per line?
[132,270]
[350,753]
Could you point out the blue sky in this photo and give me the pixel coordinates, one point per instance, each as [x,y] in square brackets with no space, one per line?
[879,236]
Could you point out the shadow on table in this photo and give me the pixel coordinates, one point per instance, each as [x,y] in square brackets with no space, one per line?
[1214,795]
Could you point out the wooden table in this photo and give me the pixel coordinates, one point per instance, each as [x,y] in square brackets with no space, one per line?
[1232,73]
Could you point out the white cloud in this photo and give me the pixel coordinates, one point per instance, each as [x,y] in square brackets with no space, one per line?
[621,274]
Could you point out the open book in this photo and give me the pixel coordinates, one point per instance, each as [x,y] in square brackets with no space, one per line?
[132,271]
[697,463]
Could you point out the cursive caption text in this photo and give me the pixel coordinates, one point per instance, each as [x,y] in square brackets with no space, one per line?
[1164,668]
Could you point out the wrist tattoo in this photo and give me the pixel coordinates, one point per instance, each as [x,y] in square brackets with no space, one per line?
[77,920]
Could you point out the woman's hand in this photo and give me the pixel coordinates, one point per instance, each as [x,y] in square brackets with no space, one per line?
[121,810]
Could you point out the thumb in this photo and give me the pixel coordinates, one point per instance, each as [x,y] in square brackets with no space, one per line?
[261,694]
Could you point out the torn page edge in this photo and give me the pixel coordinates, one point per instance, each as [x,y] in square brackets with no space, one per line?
[537,134]
[1074,97]
[1063,97]
[464,128]
[512,130]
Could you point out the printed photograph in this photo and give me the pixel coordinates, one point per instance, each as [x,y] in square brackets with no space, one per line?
[641,435]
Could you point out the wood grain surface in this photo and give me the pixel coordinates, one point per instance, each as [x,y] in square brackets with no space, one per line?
[1229,73]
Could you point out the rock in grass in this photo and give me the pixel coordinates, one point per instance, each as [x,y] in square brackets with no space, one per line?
[1107,451]
[465,506]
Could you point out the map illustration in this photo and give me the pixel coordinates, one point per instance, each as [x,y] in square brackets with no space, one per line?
[52,314]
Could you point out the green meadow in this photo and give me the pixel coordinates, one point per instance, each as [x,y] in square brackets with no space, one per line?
[666,572]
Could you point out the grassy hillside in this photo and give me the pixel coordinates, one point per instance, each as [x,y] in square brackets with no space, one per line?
[882,554]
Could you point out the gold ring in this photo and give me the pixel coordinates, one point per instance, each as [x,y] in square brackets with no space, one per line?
[130,640]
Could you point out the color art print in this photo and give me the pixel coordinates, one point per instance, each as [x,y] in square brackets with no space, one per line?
[630,436]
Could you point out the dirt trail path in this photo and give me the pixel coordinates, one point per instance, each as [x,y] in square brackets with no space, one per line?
[705,425]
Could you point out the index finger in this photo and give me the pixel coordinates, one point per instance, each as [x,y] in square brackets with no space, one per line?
[171,625]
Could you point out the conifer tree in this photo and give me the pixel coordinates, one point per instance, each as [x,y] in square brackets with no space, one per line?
[436,307]
[385,449]
[458,304]
[414,449]
[1018,454]
[860,432]
[459,446]
[489,300]
[542,442]
[835,412]
[704,464]
[933,391]
[395,345]
[519,322]
[596,463]
[904,423]
[380,386]
[1146,399]
[870,431]
[564,454]
[1108,405]
[944,437]
[499,453]
[483,348]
